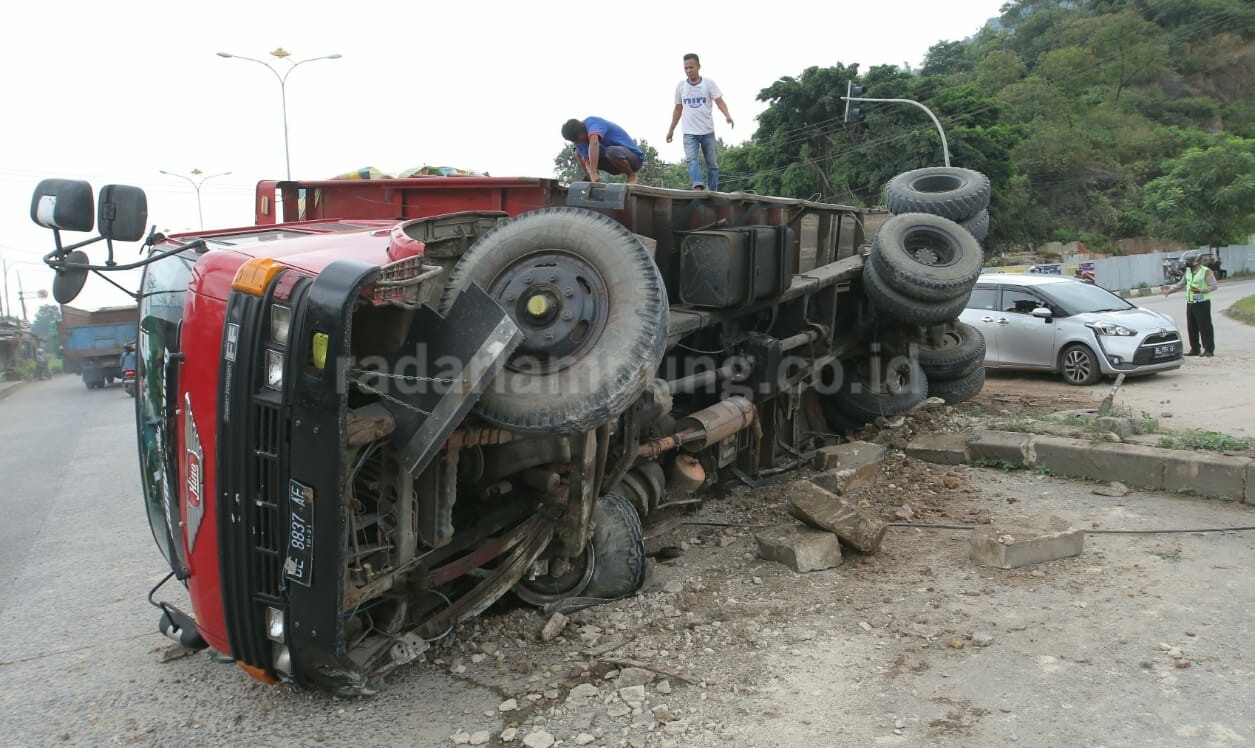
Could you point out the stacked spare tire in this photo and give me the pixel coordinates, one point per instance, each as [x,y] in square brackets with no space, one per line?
[923,263]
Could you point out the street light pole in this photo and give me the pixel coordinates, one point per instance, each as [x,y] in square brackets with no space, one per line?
[196,185]
[282,54]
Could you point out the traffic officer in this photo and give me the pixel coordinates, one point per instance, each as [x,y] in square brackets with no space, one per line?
[1199,282]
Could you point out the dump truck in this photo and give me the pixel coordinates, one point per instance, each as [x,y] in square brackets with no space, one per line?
[92,341]
[388,404]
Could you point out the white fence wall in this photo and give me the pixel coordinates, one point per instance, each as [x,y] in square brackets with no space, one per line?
[1134,271]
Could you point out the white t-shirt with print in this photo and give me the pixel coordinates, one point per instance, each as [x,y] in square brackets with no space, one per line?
[698,100]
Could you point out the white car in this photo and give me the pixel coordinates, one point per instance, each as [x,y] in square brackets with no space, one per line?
[1079,330]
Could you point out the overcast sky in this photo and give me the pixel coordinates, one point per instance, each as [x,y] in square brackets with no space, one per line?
[117,92]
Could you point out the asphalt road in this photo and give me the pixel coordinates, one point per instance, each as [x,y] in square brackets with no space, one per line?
[79,648]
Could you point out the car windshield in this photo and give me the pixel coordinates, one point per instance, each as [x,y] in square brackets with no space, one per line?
[1080,298]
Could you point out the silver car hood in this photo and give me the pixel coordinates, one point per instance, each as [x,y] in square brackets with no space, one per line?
[1139,319]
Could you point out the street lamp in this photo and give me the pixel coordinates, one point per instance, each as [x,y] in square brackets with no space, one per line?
[282,54]
[196,183]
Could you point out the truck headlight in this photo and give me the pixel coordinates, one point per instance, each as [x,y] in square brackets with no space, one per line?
[274,369]
[274,624]
[1110,328]
[280,321]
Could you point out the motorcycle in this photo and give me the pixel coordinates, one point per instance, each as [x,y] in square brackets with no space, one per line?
[128,382]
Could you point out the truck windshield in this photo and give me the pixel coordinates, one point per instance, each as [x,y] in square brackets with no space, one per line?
[162,292]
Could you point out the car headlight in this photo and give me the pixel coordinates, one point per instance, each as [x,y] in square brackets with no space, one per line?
[280,321]
[274,369]
[1110,328]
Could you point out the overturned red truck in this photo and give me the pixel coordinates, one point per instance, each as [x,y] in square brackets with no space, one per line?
[390,403]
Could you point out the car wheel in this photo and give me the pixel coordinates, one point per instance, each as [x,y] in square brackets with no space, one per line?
[1079,366]
[958,349]
[946,191]
[958,390]
[592,305]
[893,303]
[927,257]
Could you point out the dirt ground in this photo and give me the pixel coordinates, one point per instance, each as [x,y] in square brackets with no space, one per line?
[1128,644]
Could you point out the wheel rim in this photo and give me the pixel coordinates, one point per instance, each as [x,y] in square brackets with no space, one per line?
[929,247]
[561,304]
[1077,366]
[546,588]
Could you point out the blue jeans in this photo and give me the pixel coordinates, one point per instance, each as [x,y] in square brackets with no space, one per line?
[706,143]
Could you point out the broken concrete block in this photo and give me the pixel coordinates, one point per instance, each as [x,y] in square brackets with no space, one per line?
[850,455]
[940,449]
[1002,446]
[847,480]
[800,548]
[823,509]
[1118,425]
[1024,543]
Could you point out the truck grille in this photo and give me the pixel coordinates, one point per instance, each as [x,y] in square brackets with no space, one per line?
[252,434]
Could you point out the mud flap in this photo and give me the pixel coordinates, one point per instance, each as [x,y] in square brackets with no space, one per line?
[441,370]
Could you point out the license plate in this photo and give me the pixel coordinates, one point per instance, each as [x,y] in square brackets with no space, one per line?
[1165,351]
[299,566]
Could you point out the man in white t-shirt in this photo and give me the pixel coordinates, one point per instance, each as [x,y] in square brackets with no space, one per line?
[695,98]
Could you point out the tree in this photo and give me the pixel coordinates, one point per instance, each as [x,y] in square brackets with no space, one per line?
[1205,195]
[45,326]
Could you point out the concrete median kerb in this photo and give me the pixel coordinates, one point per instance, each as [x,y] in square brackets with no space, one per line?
[1151,468]
[7,388]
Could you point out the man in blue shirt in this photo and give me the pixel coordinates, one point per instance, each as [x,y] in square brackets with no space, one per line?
[604,146]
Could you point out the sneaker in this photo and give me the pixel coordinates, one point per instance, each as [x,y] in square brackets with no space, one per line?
[699,186]
[1208,354]
[1193,353]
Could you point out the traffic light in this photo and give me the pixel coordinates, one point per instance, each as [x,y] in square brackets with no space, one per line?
[853,109]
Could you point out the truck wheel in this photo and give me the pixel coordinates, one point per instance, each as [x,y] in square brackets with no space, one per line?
[893,304]
[619,549]
[977,225]
[958,390]
[946,191]
[611,566]
[900,385]
[960,350]
[592,305]
[926,257]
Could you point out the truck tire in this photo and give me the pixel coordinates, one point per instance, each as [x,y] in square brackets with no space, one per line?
[961,350]
[946,191]
[958,390]
[893,304]
[593,308]
[977,225]
[902,387]
[926,257]
[611,566]
[618,547]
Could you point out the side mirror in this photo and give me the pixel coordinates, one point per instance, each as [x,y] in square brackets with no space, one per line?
[64,204]
[1043,312]
[123,212]
[69,280]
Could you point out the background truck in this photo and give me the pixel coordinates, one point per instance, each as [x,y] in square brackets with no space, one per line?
[92,341]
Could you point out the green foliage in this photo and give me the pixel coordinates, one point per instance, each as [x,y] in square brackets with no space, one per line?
[1207,440]
[1084,114]
[1243,310]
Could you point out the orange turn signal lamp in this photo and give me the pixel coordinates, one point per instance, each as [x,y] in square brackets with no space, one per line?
[255,275]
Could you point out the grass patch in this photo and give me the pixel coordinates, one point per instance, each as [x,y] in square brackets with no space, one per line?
[1208,440]
[1005,465]
[1243,310]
